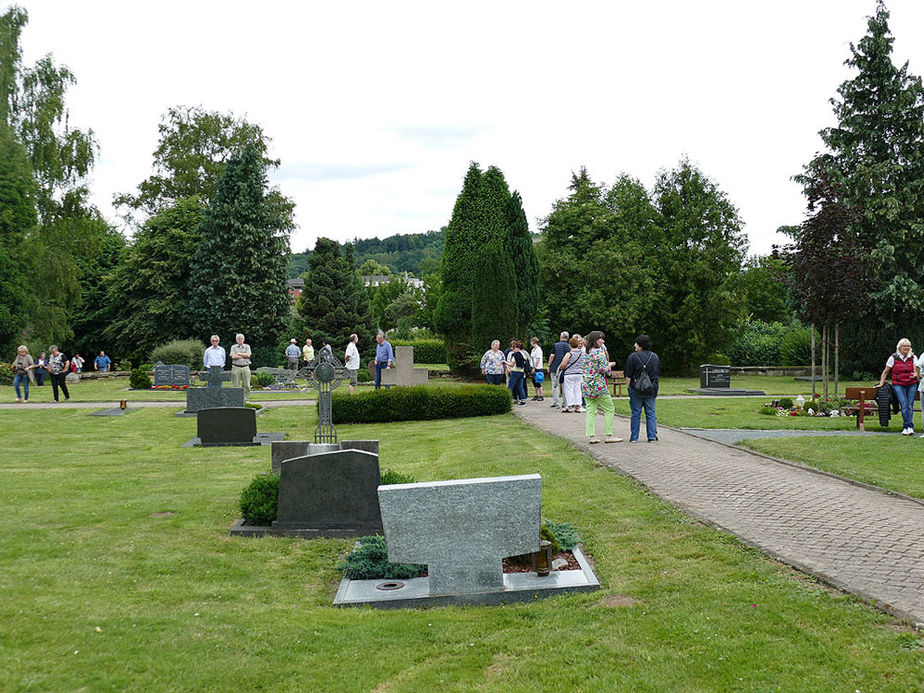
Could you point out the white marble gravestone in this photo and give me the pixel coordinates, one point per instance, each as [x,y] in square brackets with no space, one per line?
[403,373]
[462,529]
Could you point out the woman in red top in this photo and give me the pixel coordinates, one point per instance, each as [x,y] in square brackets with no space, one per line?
[904,382]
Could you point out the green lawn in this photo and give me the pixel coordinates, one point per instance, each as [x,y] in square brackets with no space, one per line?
[102,592]
[771,384]
[895,463]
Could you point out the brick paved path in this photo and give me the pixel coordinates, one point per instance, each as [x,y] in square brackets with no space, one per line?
[858,539]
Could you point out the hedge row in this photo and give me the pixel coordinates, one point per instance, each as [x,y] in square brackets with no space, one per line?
[425,350]
[420,403]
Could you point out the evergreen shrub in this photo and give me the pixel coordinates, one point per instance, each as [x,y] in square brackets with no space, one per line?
[183,352]
[6,373]
[140,380]
[262,379]
[425,350]
[420,403]
[796,347]
[564,532]
[390,476]
[369,561]
[260,500]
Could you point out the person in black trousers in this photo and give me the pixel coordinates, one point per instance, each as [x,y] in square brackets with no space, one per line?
[57,368]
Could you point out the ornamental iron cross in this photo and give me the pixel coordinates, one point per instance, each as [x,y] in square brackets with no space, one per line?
[325,376]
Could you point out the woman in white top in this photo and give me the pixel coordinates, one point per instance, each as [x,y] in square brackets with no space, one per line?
[535,356]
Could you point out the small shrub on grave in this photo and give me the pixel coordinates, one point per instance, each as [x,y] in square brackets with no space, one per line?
[260,500]
[124,365]
[390,476]
[6,373]
[369,561]
[146,367]
[564,532]
[182,352]
[786,403]
[425,350]
[768,410]
[140,380]
[263,379]
[420,403]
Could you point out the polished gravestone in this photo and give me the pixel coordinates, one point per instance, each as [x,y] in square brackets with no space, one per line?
[173,375]
[229,427]
[289,449]
[214,395]
[403,373]
[715,380]
[281,376]
[462,530]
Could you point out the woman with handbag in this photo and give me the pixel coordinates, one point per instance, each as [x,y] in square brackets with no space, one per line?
[596,367]
[643,370]
[572,375]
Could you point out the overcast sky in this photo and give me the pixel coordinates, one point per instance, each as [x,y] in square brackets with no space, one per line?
[376,109]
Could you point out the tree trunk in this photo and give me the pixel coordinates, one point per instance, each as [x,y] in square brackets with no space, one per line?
[813,358]
[837,354]
[824,358]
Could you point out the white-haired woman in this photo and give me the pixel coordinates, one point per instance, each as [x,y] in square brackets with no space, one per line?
[492,364]
[901,366]
[21,366]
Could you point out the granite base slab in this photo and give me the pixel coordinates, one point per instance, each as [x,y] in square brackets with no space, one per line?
[115,411]
[239,529]
[414,593]
[259,439]
[727,392]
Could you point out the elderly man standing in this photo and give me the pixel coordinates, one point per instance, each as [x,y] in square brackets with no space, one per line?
[214,355]
[384,357]
[292,354]
[240,365]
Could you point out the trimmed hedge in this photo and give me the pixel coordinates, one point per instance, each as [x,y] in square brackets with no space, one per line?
[259,501]
[184,352]
[420,403]
[425,350]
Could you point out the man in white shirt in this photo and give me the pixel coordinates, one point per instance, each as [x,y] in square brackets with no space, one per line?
[214,355]
[351,361]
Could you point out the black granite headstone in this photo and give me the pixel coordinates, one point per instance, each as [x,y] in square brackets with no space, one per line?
[711,375]
[226,426]
[287,449]
[214,395]
[330,491]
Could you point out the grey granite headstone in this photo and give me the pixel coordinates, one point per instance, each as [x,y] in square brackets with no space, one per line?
[403,373]
[462,529]
[171,374]
[226,426]
[287,449]
[330,491]
[214,395]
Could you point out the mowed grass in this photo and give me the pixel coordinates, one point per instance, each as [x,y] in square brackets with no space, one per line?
[895,462]
[119,574]
[771,384]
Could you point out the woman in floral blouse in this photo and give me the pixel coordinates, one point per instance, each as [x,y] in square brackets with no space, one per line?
[594,387]
[492,364]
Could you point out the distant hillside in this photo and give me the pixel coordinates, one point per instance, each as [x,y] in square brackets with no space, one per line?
[417,253]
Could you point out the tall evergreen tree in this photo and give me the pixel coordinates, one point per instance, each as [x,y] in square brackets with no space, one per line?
[525,264]
[875,161]
[238,279]
[333,304]
[494,303]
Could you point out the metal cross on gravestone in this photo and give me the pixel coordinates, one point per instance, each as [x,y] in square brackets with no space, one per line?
[215,377]
[325,376]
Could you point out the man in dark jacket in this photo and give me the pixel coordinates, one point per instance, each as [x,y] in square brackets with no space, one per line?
[643,359]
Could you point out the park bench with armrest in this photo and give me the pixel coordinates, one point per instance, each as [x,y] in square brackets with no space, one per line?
[619,379]
[866,400]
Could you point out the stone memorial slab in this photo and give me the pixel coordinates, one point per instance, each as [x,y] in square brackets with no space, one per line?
[288,449]
[332,492]
[403,373]
[170,374]
[214,395]
[713,376]
[281,376]
[462,529]
[226,426]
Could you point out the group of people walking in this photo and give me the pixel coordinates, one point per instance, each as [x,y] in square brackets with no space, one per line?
[26,369]
[578,368]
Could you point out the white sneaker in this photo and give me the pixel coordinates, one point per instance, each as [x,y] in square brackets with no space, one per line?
[907,431]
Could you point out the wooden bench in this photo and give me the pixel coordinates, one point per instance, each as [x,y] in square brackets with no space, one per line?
[862,394]
[619,379]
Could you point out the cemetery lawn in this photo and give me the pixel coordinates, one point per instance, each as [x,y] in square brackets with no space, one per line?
[119,574]
[741,412]
[771,384]
[895,462]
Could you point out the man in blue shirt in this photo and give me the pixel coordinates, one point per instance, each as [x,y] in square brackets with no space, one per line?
[384,357]
[292,354]
[101,362]
[214,355]
[558,353]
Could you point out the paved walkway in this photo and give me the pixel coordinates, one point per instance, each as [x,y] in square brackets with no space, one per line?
[858,539]
[175,404]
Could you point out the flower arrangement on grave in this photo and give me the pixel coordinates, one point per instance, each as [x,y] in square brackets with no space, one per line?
[817,406]
[170,387]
